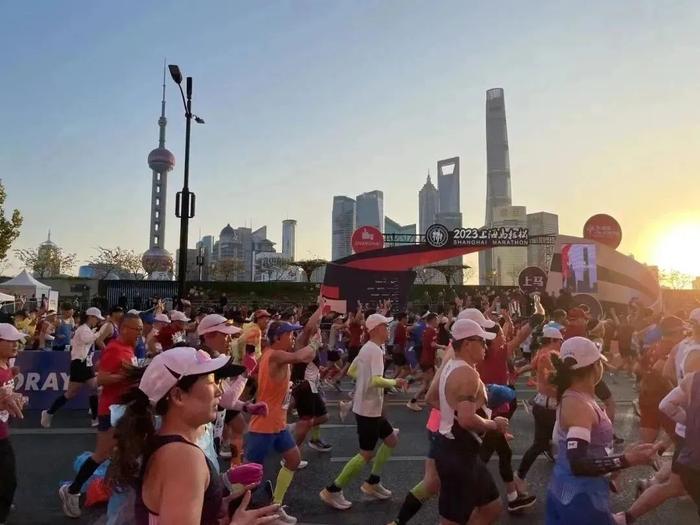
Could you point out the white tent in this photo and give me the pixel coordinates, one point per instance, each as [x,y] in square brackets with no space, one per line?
[25,284]
[5,298]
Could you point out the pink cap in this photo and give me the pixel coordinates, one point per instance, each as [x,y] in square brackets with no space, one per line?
[177,315]
[9,333]
[217,323]
[161,318]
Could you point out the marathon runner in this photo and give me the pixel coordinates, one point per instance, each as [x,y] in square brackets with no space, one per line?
[372,426]
[110,376]
[270,432]
[579,491]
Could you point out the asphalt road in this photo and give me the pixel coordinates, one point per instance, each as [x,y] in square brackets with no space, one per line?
[45,458]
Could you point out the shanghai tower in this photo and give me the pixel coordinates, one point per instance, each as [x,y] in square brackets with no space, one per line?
[497,172]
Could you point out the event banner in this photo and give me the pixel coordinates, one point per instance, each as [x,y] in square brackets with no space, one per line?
[43,376]
[438,236]
[579,268]
[367,286]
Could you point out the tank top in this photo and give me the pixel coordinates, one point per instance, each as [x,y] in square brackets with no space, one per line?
[211,505]
[685,348]
[690,453]
[450,428]
[565,485]
[276,393]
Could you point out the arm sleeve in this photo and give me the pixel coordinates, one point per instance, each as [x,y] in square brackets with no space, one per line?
[577,441]
[352,371]
[383,382]
[673,405]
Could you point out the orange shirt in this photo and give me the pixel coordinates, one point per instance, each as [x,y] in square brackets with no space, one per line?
[276,393]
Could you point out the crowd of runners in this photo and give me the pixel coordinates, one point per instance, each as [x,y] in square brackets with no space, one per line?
[188,405]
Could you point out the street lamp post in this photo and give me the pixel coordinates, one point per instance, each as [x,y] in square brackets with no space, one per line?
[185,199]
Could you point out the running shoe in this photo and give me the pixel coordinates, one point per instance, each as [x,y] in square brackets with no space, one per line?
[344,409]
[46,419]
[335,499]
[521,502]
[302,464]
[375,490]
[283,517]
[413,405]
[320,445]
[69,502]
[94,422]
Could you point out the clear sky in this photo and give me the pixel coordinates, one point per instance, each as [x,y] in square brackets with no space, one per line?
[307,99]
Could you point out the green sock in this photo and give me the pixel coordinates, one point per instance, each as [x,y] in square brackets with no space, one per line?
[284,479]
[383,455]
[421,493]
[316,433]
[351,470]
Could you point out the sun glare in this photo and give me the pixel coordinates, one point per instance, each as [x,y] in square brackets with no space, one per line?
[678,248]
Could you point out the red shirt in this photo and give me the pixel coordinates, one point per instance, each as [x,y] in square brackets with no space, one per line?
[494,368]
[355,330]
[427,355]
[168,336]
[400,336]
[114,356]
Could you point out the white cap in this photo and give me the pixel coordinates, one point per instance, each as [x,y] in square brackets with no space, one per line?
[551,333]
[95,312]
[161,318]
[133,311]
[374,320]
[694,316]
[177,315]
[476,316]
[216,323]
[582,350]
[464,328]
[169,367]
[9,333]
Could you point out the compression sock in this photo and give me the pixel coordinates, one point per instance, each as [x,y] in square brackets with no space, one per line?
[350,471]
[284,479]
[93,406]
[316,433]
[87,469]
[383,455]
[57,404]
[413,503]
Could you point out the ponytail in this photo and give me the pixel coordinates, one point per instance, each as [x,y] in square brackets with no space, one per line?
[564,374]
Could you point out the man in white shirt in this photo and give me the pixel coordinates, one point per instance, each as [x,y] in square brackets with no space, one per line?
[81,372]
[368,370]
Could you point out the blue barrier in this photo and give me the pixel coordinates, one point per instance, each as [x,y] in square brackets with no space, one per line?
[44,376]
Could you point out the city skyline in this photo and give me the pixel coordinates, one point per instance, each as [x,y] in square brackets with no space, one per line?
[573,131]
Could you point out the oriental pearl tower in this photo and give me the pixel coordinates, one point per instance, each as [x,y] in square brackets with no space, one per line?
[157,261]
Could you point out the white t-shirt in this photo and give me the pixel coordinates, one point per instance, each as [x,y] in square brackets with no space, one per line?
[82,341]
[368,399]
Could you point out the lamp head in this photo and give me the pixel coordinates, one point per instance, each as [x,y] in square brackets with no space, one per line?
[175,73]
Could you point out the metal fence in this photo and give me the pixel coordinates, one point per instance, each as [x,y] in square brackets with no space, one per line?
[138,294]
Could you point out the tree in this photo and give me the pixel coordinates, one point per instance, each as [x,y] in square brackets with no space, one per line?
[117,261]
[47,261]
[309,266]
[9,228]
[227,269]
[274,268]
[674,279]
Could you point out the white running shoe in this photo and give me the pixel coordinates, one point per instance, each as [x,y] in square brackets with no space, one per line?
[94,422]
[283,517]
[302,464]
[69,502]
[344,409]
[225,451]
[46,419]
[413,405]
[375,490]
[335,499]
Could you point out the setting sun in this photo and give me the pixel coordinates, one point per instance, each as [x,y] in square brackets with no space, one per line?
[678,248]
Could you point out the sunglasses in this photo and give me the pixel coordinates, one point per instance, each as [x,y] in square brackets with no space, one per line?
[476,339]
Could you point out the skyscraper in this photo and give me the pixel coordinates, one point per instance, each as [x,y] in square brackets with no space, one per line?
[157,261]
[343,224]
[541,223]
[369,210]
[497,171]
[428,205]
[449,214]
[289,227]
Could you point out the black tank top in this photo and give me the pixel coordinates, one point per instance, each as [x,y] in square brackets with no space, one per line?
[211,505]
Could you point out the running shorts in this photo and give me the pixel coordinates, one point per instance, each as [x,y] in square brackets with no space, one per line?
[372,429]
[465,481]
[308,404]
[333,356]
[398,356]
[80,372]
[258,445]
